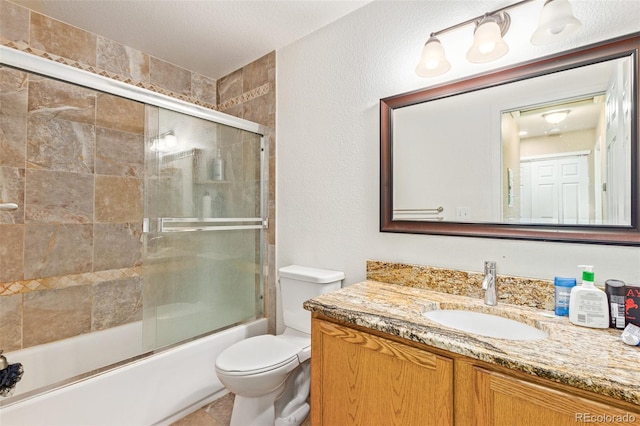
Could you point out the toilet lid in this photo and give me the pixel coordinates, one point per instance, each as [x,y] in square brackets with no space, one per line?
[258,354]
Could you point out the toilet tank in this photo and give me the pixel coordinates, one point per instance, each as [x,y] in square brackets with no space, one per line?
[299,284]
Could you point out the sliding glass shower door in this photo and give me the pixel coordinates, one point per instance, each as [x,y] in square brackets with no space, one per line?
[204,225]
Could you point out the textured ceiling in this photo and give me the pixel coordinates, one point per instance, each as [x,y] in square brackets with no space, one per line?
[209,37]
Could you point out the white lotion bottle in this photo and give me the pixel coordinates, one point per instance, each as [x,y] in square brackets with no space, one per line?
[218,167]
[588,305]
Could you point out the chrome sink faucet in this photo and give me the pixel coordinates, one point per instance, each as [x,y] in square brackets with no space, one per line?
[489,283]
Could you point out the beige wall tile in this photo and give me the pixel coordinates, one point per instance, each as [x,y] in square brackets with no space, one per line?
[12,191]
[57,249]
[14,22]
[11,322]
[119,153]
[260,110]
[13,116]
[114,112]
[122,60]
[56,314]
[204,89]
[116,302]
[62,39]
[230,86]
[169,76]
[118,199]
[11,252]
[57,99]
[62,145]
[256,73]
[58,197]
[117,245]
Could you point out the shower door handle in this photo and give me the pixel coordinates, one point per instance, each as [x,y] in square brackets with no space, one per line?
[5,207]
[177,224]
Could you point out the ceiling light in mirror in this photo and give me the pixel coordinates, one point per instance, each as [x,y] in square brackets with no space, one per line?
[556,116]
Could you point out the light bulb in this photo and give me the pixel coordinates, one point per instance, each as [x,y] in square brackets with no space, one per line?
[433,61]
[556,23]
[488,44]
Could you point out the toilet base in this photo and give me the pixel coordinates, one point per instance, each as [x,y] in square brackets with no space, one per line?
[296,418]
[284,406]
[251,411]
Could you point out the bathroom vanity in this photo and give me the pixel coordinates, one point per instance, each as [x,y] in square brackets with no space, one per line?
[377,359]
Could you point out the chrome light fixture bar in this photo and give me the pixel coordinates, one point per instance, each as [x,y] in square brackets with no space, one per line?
[556,23]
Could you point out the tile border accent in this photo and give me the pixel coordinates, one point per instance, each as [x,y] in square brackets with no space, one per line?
[50,283]
[246,96]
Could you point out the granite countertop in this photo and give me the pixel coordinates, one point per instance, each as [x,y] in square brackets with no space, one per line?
[591,359]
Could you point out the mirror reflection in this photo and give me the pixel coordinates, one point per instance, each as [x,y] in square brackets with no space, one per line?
[553,149]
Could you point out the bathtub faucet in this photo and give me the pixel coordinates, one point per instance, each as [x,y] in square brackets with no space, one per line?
[489,283]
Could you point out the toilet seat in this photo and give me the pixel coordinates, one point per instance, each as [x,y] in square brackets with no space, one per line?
[260,354]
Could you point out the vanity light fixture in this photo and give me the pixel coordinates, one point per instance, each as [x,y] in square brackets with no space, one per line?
[556,117]
[488,44]
[556,23]
[433,61]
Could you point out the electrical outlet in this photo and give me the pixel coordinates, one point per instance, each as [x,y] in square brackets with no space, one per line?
[462,213]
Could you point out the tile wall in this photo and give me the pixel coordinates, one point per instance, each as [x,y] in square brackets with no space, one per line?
[71,255]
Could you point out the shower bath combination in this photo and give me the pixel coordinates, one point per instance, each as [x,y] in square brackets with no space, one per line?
[195,284]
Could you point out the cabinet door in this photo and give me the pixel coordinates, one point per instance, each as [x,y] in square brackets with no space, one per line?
[361,379]
[503,400]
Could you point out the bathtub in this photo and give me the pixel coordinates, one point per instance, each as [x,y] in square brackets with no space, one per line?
[154,390]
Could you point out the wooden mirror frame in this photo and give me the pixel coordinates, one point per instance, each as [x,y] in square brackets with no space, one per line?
[592,234]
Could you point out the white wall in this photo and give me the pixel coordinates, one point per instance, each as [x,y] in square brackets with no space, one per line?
[329,86]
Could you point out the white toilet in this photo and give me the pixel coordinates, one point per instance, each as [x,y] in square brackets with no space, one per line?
[270,374]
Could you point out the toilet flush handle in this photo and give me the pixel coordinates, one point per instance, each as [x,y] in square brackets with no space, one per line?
[304,354]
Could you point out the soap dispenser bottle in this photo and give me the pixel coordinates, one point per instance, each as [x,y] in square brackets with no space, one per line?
[218,167]
[587,304]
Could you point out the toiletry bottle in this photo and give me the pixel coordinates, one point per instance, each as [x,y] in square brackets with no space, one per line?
[587,304]
[206,205]
[562,287]
[615,290]
[218,167]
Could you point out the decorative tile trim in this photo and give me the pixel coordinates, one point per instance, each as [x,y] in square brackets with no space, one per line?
[521,291]
[50,283]
[245,97]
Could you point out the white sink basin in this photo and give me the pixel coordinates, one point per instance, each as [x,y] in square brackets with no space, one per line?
[485,324]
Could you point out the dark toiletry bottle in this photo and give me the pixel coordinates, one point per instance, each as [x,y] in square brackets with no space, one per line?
[615,290]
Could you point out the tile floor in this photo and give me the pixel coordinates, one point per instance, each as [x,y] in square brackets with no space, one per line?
[218,413]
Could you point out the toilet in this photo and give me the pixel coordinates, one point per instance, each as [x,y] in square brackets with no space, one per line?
[270,375]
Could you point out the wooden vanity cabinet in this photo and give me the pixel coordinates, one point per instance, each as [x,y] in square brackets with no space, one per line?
[362,378]
[499,399]
[358,378]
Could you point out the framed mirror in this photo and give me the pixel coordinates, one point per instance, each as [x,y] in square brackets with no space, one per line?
[545,150]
